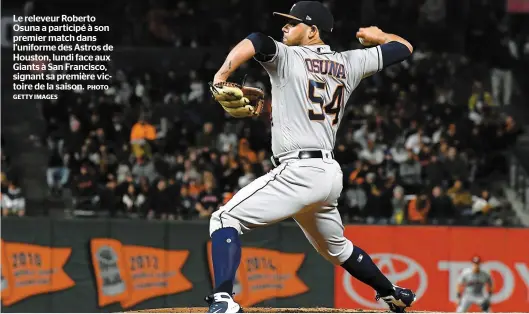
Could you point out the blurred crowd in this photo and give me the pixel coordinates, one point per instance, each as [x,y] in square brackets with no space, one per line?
[420,142]
[437,24]
[410,151]
[12,200]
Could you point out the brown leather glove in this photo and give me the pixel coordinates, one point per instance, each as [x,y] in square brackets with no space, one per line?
[239,101]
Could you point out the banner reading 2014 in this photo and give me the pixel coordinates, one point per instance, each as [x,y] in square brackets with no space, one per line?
[265,274]
[29,270]
[130,274]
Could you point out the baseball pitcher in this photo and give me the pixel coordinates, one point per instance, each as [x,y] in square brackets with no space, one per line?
[310,87]
[474,287]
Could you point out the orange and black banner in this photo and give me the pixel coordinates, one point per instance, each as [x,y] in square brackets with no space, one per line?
[131,274]
[265,274]
[29,270]
[118,265]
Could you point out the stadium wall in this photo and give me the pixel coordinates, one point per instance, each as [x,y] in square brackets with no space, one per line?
[58,265]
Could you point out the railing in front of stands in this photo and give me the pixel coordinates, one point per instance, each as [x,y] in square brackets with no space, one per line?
[519,181]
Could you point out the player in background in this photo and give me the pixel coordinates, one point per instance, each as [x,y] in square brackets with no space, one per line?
[310,85]
[474,287]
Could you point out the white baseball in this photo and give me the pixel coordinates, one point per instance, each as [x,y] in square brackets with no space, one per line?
[361,40]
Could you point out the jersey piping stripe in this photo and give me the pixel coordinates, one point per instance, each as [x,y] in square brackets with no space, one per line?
[220,216]
[378,59]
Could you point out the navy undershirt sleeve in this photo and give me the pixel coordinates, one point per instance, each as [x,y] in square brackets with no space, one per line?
[393,52]
[264,46]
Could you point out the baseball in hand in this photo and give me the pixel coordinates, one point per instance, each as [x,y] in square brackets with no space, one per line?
[369,36]
[365,42]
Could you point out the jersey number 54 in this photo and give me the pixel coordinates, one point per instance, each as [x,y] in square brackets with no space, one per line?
[332,108]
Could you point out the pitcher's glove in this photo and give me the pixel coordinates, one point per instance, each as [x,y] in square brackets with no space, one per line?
[239,101]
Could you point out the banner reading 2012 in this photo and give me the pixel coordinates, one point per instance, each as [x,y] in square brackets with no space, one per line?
[130,274]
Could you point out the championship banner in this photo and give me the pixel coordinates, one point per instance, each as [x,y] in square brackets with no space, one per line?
[29,269]
[265,274]
[6,275]
[131,274]
[428,260]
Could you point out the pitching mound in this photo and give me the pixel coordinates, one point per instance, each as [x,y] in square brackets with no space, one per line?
[260,310]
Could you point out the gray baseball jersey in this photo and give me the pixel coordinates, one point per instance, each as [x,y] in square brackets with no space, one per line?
[474,282]
[310,86]
[474,292]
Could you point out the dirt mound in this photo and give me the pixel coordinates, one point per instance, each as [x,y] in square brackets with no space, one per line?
[261,310]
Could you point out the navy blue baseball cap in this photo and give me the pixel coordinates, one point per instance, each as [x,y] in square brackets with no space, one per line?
[311,13]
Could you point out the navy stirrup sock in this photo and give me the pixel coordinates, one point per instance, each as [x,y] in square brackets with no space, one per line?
[226,254]
[361,266]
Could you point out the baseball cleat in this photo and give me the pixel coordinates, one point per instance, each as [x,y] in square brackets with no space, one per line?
[399,300]
[222,302]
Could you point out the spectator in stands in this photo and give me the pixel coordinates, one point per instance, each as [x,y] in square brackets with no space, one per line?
[196,88]
[355,200]
[434,172]
[461,198]
[455,166]
[110,199]
[161,204]
[410,173]
[266,165]
[510,130]
[398,204]
[441,205]
[75,138]
[418,209]
[141,137]
[451,137]
[144,168]
[188,173]
[85,183]
[119,133]
[85,189]
[206,138]
[13,201]
[423,157]
[133,202]
[503,59]
[227,140]
[57,173]
[373,193]
[246,152]
[372,154]
[107,160]
[195,187]
[415,141]
[484,203]
[399,154]
[187,205]
[145,188]
[123,172]
[479,98]
[248,174]
[208,200]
